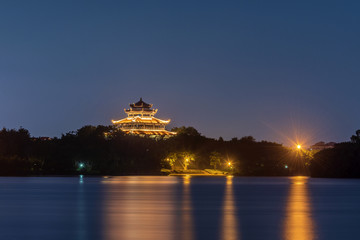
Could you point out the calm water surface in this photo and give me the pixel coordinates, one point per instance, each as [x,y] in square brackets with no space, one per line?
[296,208]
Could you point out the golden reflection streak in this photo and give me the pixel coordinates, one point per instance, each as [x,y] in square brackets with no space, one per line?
[186,211]
[136,208]
[299,224]
[229,229]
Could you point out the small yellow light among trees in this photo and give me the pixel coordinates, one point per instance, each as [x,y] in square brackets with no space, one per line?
[171,159]
[181,158]
[187,158]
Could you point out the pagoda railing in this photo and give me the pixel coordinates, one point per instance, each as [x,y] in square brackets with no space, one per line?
[128,127]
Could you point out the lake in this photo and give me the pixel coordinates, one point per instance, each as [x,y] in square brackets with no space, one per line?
[154,207]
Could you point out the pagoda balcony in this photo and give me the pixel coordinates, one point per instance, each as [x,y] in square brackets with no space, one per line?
[128,127]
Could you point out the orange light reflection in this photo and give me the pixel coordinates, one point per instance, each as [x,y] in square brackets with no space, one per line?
[229,223]
[139,210]
[187,232]
[299,224]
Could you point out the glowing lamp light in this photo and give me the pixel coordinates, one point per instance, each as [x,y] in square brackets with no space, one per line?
[298,146]
[81,165]
[286,166]
[229,164]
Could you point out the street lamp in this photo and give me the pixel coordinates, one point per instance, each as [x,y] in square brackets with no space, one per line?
[230,167]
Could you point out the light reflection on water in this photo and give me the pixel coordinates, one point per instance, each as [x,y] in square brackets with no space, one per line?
[187,223]
[81,212]
[179,208]
[299,224]
[161,208]
[136,208]
[229,229]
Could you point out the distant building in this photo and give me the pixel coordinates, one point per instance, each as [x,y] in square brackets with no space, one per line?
[141,121]
[322,145]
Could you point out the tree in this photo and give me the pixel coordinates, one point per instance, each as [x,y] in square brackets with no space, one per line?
[189,131]
[247,139]
[356,138]
[187,158]
[215,159]
[171,159]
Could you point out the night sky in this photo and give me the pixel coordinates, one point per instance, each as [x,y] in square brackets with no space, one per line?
[275,70]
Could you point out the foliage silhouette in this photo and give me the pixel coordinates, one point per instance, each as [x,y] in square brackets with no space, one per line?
[102,150]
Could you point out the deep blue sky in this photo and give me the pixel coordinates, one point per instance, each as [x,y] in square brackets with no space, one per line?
[270,69]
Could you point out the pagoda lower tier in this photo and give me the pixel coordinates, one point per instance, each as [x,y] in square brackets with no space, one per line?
[141,121]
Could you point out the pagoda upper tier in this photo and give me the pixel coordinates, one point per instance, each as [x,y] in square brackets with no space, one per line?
[141,104]
[141,121]
[140,108]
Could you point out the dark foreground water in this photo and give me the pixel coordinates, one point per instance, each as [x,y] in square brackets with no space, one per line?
[159,208]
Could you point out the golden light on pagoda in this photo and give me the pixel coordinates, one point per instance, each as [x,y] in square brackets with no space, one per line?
[141,121]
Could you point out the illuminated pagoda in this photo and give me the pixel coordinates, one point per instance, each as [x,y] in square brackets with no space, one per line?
[141,121]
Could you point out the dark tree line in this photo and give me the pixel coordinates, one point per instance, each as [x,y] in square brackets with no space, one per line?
[91,150]
[102,150]
[341,161]
[86,151]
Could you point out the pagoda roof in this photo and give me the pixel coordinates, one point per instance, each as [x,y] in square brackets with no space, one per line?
[140,110]
[149,132]
[140,104]
[139,119]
